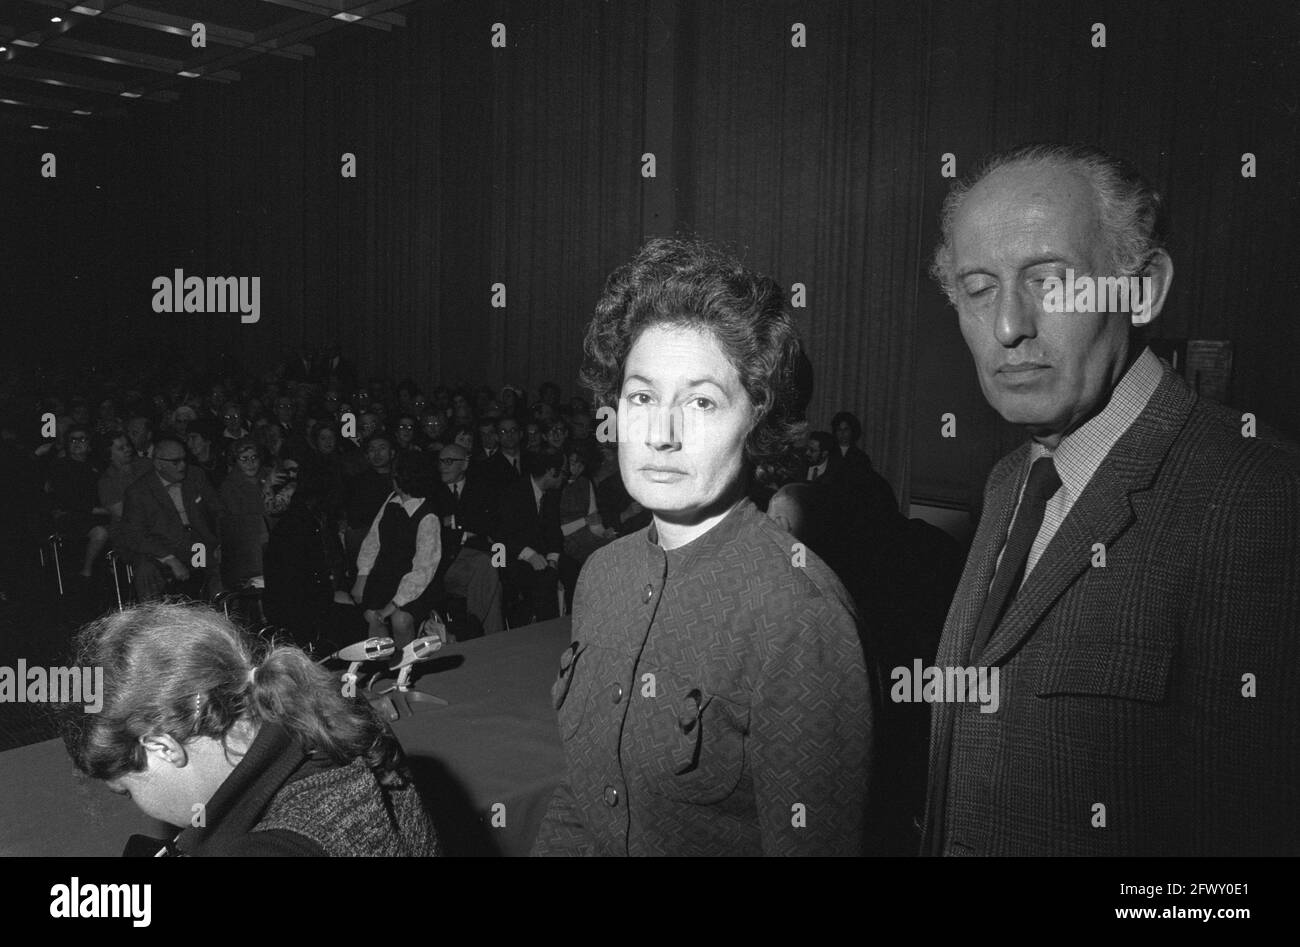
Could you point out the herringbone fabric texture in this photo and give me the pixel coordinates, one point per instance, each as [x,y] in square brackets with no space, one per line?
[715,701]
[1149,700]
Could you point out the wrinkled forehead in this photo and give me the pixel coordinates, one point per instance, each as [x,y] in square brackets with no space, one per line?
[1017,215]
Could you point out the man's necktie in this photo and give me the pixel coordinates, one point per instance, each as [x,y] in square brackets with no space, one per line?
[178,501]
[1043,482]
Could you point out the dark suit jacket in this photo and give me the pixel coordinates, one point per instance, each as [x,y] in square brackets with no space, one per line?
[497,471]
[1122,685]
[151,526]
[520,525]
[476,512]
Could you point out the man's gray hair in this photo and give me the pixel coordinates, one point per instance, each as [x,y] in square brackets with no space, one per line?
[1128,206]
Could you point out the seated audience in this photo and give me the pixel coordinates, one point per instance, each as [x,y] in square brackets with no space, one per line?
[401,552]
[467,511]
[73,485]
[303,566]
[164,514]
[529,526]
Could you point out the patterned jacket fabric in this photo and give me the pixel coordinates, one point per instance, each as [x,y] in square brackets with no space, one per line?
[1148,700]
[279,801]
[714,701]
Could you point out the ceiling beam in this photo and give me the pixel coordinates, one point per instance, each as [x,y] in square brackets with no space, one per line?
[131,14]
[126,57]
[85,83]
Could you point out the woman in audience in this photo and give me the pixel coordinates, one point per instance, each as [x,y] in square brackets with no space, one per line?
[124,467]
[400,553]
[580,522]
[243,527]
[248,754]
[73,486]
[758,709]
[463,436]
[512,402]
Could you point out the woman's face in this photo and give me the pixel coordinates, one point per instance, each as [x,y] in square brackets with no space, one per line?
[576,467]
[683,417]
[325,442]
[122,451]
[557,435]
[466,440]
[79,444]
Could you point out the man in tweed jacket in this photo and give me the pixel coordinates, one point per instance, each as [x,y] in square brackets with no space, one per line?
[1147,649]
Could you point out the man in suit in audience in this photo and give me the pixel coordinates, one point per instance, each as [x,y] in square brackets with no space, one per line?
[1135,579]
[529,526]
[164,514]
[506,466]
[467,510]
[364,494]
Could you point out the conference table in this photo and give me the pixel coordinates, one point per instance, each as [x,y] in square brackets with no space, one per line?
[486,764]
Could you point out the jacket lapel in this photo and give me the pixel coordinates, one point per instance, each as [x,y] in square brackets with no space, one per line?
[959,629]
[1100,515]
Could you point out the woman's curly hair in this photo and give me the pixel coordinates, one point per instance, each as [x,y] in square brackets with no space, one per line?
[185,670]
[689,284]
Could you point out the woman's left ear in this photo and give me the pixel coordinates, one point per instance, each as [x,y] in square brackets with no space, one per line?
[165,748]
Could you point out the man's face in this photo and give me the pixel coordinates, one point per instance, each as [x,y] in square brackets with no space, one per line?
[813,453]
[508,432]
[405,429]
[284,410]
[232,419]
[581,427]
[683,417]
[433,425]
[249,462]
[380,455]
[197,444]
[169,461]
[1049,371]
[369,424]
[844,434]
[452,463]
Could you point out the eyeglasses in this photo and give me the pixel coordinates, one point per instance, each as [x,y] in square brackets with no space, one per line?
[170,460]
[406,427]
[78,440]
[448,461]
[230,417]
[508,430]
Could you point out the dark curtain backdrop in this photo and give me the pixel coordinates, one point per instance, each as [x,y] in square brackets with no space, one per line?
[522,166]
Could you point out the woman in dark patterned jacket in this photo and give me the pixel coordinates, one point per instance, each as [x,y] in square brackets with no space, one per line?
[715,699]
[247,757]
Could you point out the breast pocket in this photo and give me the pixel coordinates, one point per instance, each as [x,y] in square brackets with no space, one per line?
[1108,670]
[567,693]
[697,744]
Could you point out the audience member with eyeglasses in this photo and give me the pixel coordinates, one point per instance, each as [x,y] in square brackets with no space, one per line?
[169,527]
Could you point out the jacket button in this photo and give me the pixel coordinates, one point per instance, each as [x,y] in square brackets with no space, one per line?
[649,592]
[616,693]
[611,796]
